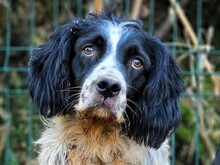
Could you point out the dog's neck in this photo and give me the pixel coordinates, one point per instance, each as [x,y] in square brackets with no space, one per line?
[90,140]
[82,140]
[95,140]
[89,129]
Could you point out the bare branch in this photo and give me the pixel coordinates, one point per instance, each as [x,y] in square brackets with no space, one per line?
[136,9]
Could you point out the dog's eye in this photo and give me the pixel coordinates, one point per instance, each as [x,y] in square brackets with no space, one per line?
[137,63]
[88,50]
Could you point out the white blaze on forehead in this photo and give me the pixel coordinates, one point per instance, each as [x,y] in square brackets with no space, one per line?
[115,33]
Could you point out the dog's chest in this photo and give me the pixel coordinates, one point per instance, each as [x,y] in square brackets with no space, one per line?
[76,142]
[100,142]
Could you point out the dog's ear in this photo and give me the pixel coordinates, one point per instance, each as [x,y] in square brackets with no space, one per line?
[158,114]
[48,73]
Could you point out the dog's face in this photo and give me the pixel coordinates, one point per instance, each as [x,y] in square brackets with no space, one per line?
[111,67]
[108,68]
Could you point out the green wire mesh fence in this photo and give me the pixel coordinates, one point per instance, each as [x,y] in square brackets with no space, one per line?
[26,24]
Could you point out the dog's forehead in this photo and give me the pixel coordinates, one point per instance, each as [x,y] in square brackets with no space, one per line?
[115,31]
[114,28]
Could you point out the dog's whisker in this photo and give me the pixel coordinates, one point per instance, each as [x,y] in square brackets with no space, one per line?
[76,95]
[127,124]
[133,88]
[133,111]
[75,87]
[71,98]
[70,106]
[71,89]
[134,103]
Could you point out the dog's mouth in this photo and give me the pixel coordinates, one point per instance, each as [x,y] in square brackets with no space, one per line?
[97,106]
[108,103]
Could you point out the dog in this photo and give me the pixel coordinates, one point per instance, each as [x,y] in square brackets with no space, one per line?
[110,92]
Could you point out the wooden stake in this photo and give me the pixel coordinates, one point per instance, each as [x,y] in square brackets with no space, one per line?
[136,9]
[98,6]
[185,22]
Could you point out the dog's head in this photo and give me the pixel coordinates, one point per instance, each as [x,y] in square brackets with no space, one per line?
[112,68]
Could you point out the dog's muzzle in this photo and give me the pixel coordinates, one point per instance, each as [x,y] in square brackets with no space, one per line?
[104,91]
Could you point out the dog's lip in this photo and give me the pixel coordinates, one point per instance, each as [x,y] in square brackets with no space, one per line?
[107,103]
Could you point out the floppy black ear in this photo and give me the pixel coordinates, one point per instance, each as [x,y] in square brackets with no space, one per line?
[159,113]
[48,73]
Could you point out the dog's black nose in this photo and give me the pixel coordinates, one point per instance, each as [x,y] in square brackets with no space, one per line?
[108,87]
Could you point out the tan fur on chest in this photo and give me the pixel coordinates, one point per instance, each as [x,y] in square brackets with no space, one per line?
[79,141]
[98,141]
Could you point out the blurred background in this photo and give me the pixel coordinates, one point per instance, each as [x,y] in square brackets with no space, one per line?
[190,28]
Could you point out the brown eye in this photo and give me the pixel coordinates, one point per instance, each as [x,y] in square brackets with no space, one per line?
[137,63]
[88,51]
